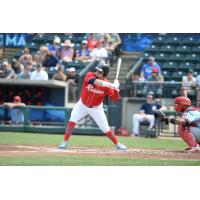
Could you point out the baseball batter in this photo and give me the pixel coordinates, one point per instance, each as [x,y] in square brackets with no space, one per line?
[189,123]
[95,88]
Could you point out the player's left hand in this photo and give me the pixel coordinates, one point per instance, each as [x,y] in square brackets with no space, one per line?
[116,83]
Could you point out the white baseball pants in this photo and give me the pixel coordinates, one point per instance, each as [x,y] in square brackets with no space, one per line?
[97,113]
[137,118]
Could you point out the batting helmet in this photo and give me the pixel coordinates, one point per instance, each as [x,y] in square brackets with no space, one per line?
[103,67]
[181,102]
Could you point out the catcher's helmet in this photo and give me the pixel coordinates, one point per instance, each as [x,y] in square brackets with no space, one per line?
[103,67]
[181,102]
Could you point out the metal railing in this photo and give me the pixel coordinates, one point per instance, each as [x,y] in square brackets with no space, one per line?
[134,68]
[160,89]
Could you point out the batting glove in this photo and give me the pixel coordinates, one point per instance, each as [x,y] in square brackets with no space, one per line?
[116,83]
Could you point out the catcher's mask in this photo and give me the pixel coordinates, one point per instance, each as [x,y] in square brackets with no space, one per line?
[181,103]
[103,67]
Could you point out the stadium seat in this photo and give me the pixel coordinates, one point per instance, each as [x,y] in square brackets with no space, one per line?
[77,65]
[196,73]
[176,57]
[196,49]
[77,46]
[146,56]
[170,66]
[18,54]
[192,58]
[161,57]
[178,75]
[153,49]
[175,92]
[50,38]
[197,68]
[66,37]
[167,49]
[80,37]
[186,65]
[160,41]
[174,41]
[39,39]
[183,49]
[166,75]
[189,42]
[33,46]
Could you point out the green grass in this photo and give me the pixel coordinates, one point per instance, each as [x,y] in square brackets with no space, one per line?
[85,160]
[71,160]
[100,141]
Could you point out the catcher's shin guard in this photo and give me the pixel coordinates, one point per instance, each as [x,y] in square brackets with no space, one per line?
[187,136]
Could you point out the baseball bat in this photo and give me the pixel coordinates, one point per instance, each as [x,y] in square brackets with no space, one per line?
[119,62]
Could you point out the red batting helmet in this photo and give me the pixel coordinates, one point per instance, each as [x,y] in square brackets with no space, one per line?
[181,102]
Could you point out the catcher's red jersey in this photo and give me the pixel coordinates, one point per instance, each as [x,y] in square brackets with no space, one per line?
[93,95]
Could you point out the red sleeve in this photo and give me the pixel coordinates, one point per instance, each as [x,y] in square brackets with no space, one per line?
[114,95]
[89,76]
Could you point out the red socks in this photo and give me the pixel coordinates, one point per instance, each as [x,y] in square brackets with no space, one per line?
[70,127]
[187,136]
[69,130]
[111,135]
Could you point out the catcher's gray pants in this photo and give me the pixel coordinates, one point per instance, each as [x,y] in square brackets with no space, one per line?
[137,118]
[196,133]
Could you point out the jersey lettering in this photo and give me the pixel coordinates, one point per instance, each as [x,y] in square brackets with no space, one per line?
[91,88]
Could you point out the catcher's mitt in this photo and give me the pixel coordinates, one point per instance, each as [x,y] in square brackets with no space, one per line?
[158,114]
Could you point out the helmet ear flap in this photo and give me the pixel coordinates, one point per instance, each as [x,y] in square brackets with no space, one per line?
[179,107]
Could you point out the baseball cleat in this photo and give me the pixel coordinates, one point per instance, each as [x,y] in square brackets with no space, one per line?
[121,146]
[63,145]
[193,149]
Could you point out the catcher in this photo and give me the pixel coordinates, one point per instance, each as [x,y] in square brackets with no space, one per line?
[189,123]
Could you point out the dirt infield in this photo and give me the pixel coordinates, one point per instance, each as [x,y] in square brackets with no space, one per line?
[25,150]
